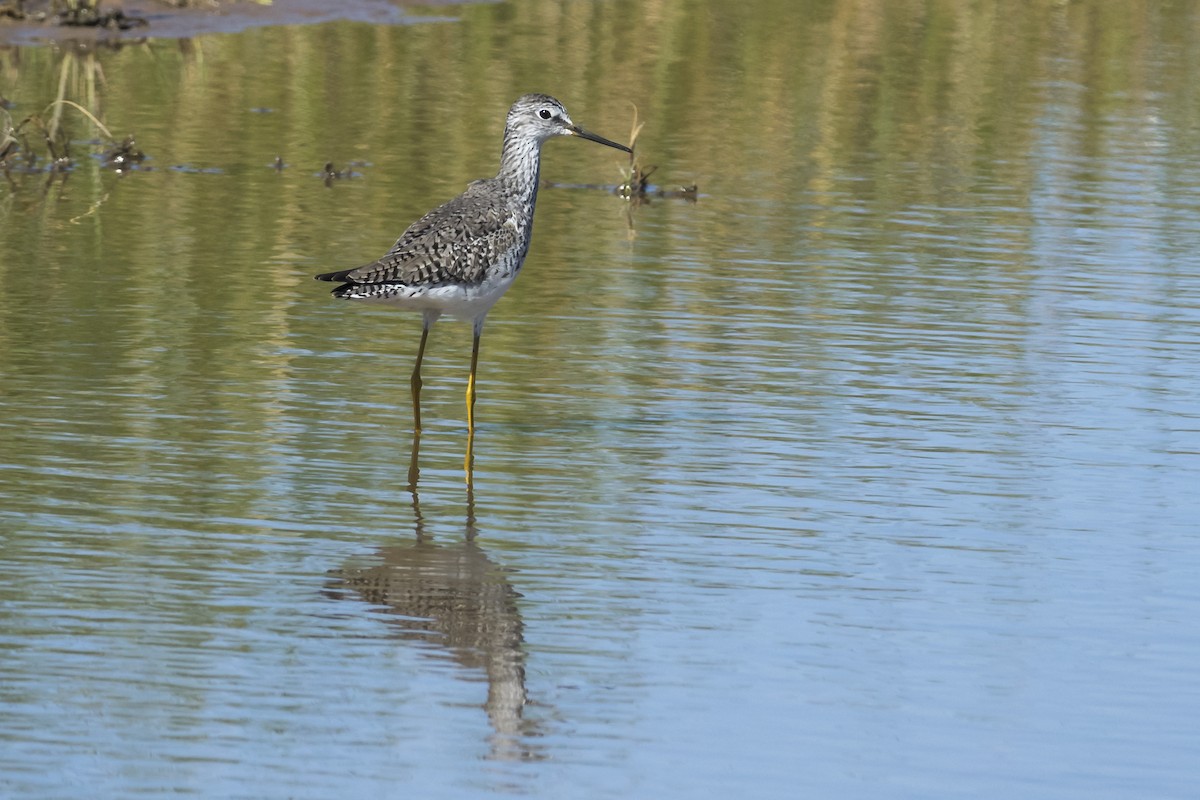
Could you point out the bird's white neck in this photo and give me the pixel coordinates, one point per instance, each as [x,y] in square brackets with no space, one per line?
[520,164]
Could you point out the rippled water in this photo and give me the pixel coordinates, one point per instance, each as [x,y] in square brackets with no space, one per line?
[870,474]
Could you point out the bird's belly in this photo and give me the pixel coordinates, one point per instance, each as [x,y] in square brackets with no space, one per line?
[461,301]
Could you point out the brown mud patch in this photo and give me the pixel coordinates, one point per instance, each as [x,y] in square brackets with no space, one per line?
[34,23]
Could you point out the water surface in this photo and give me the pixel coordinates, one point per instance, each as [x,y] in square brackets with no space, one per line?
[869,474]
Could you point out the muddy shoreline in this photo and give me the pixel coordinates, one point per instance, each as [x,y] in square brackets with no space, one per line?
[165,21]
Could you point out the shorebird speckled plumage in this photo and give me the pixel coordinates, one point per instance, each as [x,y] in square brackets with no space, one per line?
[461,257]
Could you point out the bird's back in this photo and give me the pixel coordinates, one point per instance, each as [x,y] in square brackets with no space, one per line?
[478,237]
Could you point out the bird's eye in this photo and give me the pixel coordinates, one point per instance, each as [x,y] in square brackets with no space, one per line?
[545,113]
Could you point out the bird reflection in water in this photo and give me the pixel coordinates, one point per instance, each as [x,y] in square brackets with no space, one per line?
[455,597]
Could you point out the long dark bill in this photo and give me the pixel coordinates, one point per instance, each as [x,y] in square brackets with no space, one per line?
[578,131]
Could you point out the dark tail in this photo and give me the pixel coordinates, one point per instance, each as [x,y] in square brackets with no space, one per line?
[340,275]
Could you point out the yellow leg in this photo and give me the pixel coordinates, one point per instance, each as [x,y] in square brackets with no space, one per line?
[415,381]
[471,384]
[469,458]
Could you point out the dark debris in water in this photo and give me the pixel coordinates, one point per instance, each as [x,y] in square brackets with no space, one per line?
[636,186]
[638,189]
[22,145]
[641,194]
[330,173]
[35,145]
[85,16]
[40,144]
[124,156]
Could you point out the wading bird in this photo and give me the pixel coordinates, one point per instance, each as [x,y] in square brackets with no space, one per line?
[461,257]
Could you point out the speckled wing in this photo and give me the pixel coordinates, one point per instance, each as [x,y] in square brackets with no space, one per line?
[453,244]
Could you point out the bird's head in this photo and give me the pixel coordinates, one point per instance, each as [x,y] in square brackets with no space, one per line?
[540,116]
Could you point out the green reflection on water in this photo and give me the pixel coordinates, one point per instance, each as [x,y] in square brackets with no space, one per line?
[859,288]
[845,112]
[139,304]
